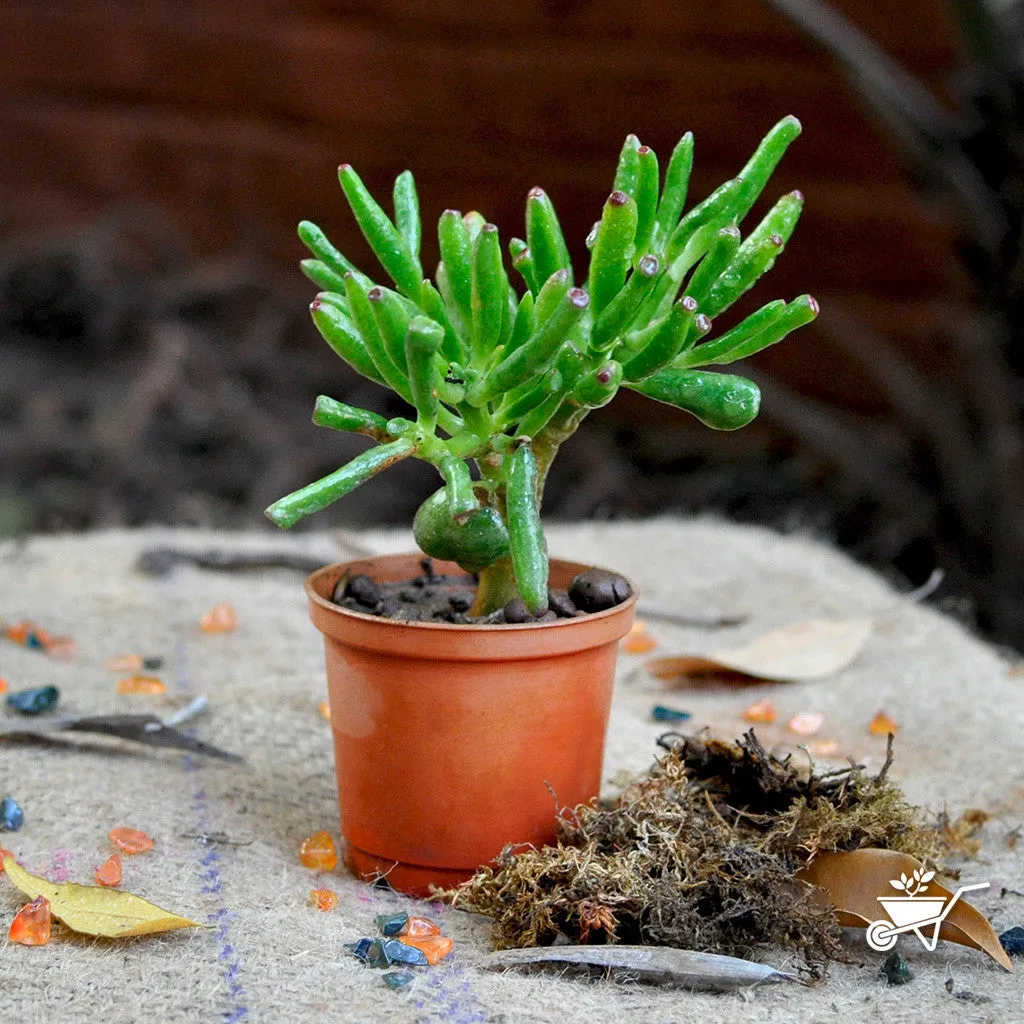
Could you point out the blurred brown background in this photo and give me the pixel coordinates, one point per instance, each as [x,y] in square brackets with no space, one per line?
[157,362]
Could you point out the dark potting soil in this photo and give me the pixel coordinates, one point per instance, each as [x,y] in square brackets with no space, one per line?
[433,598]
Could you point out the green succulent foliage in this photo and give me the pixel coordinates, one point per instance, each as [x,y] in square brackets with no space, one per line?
[500,379]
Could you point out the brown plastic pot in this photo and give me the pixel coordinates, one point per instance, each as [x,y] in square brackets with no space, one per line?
[452,741]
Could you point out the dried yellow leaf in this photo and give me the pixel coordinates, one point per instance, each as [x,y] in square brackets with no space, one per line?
[93,910]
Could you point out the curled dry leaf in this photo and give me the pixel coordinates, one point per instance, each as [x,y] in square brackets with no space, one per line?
[657,963]
[852,883]
[92,910]
[807,650]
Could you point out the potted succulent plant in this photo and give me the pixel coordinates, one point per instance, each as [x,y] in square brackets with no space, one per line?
[453,738]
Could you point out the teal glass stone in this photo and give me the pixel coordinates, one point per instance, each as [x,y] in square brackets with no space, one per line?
[12,817]
[399,953]
[391,924]
[33,702]
[398,979]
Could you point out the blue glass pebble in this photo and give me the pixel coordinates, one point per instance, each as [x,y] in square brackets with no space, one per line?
[1013,940]
[32,639]
[391,924]
[376,954]
[660,713]
[12,817]
[359,949]
[399,953]
[398,979]
[32,702]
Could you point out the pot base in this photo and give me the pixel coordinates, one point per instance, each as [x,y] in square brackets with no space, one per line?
[412,879]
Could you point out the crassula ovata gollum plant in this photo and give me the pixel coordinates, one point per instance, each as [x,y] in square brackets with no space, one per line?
[500,380]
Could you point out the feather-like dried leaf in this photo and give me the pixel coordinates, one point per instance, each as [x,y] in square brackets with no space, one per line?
[852,883]
[92,910]
[659,963]
[806,650]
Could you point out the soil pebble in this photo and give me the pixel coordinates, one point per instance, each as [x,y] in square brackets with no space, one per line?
[597,589]
[561,604]
[361,589]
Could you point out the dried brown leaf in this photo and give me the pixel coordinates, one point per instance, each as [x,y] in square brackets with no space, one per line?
[853,881]
[813,649]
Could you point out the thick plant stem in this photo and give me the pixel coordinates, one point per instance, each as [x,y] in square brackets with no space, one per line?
[546,444]
[496,588]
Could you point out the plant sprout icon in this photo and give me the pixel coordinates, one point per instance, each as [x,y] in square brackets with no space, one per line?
[914,885]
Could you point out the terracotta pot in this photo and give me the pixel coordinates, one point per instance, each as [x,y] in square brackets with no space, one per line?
[452,741]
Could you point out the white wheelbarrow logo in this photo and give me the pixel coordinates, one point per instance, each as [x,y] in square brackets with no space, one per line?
[913,912]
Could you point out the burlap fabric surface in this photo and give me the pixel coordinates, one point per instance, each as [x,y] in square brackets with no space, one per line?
[227,836]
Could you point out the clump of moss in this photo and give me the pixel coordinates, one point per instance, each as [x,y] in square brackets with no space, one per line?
[702,853]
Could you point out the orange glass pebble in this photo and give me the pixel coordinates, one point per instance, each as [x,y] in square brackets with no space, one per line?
[4,853]
[434,947]
[130,840]
[323,899]
[419,926]
[221,618]
[3,686]
[19,632]
[882,724]
[126,663]
[62,647]
[141,684]
[325,710]
[318,852]
[31,924]
[807,723]
[111,872]
[638,640]
[762,712]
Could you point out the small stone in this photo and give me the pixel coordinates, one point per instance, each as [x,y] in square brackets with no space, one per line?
[360,589]
[418,926]
[399,952]
[412,595]
[561,604]
[516,612]
[1013,940]
[323,899]
[141,684]
[387,607]
[12,817]
[895,970]
[597,589]
[360,948]
[152,664]
[221,618]
[434,947]
[660,713]
[398,979]
[376,955]
[460,601]
[547,616]
[34,702]
[130,840]
[31,925]
[427,565]
[111,873]
[317,852]
[391,924]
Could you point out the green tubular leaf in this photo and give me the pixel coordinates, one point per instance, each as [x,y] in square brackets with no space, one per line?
[422,342]
[322,276]
[526,536]
[665,292]
[520,401]
[760,166]
[314,239]
[522,260]
[392,320]
[598,387]
[490,293]
[287,511]
[523,326]
[745,339]
[737,335]
[718,257]
[474,223]
[458,487]
[535,353]
[551,296]
[619,313]
[338,416]
[613,250]
[673,196]
[457,257]
[384,238]
[366,322]
[343,336]
[537,418]
[646,197]
[719,208]
[677,330]
[756,255]
[407,211]
[720,400]
[544,236]
[628,170]
[434,306]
